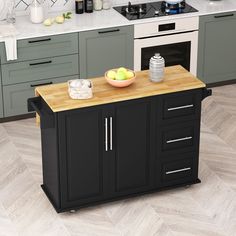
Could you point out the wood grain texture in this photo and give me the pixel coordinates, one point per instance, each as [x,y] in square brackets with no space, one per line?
[176,79]
[206,209]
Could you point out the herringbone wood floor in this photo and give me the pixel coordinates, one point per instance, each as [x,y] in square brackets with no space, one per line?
[206,209]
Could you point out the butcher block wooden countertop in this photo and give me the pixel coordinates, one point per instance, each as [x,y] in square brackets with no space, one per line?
[176,79]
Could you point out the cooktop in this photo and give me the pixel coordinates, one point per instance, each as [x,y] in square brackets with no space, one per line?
[153,9]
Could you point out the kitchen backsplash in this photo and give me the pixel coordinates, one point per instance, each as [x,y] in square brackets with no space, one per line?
[23,5]
[63,5]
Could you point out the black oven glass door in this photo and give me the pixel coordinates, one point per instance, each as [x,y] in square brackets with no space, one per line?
[174,54]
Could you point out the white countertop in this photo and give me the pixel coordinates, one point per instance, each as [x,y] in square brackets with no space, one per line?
[111,18]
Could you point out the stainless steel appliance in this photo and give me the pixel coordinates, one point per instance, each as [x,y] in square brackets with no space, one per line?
[176,40]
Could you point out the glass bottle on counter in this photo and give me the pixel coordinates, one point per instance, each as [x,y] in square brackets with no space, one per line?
[89,6]
[79,6]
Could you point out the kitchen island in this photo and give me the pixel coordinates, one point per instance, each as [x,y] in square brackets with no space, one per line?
[122,142]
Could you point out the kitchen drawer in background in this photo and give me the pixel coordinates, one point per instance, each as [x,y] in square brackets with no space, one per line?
[180,137]
[15,96]
[36,48]
[178,172]
[39,69]
[180,106]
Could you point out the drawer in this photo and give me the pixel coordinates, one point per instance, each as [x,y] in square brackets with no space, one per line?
[181,171]
[15,96]
[40,69]
[180,137]
[37,48]
[181,105]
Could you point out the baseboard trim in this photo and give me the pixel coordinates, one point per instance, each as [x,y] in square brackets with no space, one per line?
[15,118]
[222,83]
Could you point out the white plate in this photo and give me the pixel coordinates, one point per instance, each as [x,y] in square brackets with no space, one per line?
[3,9]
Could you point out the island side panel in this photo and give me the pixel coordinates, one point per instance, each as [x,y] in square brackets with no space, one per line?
[50,159]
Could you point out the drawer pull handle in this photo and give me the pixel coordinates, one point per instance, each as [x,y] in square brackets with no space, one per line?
[106,134]
[177,171]
[179,139]
[111,133]
[40,63]
[221,16]
[180,107]
[108,31]
[40,40]
[37,85]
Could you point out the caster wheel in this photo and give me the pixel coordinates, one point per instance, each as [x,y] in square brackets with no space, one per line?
[72,211]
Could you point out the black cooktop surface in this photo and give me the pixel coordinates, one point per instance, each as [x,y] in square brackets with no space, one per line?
[153,9]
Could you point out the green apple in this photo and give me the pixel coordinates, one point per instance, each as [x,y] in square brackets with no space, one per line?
[48,22]
[122,69]
[111,74]
[120,75]
[60,19]
[129,74]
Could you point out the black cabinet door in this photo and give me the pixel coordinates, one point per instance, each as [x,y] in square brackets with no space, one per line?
[132,155]
[81,156]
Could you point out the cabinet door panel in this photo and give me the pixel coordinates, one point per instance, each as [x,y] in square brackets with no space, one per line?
[16,95]
[132,138]
[217,51]
[82,156]
[1,96]
[101,50]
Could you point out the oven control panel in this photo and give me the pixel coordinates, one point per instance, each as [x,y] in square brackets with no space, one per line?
[166,27]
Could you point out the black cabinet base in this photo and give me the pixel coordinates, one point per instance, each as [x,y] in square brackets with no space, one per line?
[60,210]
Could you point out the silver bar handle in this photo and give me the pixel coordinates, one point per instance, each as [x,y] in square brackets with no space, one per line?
[180,107]
[106,134]
[177,171]
[111,133]
[179,139]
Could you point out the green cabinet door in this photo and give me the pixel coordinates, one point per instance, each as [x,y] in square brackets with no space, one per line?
[100,50]
[16,95]
[217,48]
[1,103]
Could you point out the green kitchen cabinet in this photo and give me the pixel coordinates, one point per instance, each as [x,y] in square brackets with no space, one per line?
[1,103]
[100,50]
[16,95]
[28,71]
[43,47]
[217,48]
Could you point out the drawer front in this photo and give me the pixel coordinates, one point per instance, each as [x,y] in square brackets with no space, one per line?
[43,47]
[40,69]
[15,96]
[180,137]
[180,105]
[181,171]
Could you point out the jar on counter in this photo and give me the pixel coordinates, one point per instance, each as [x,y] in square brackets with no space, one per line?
[106,4]
[97,4]
[156,68]
[37,12]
